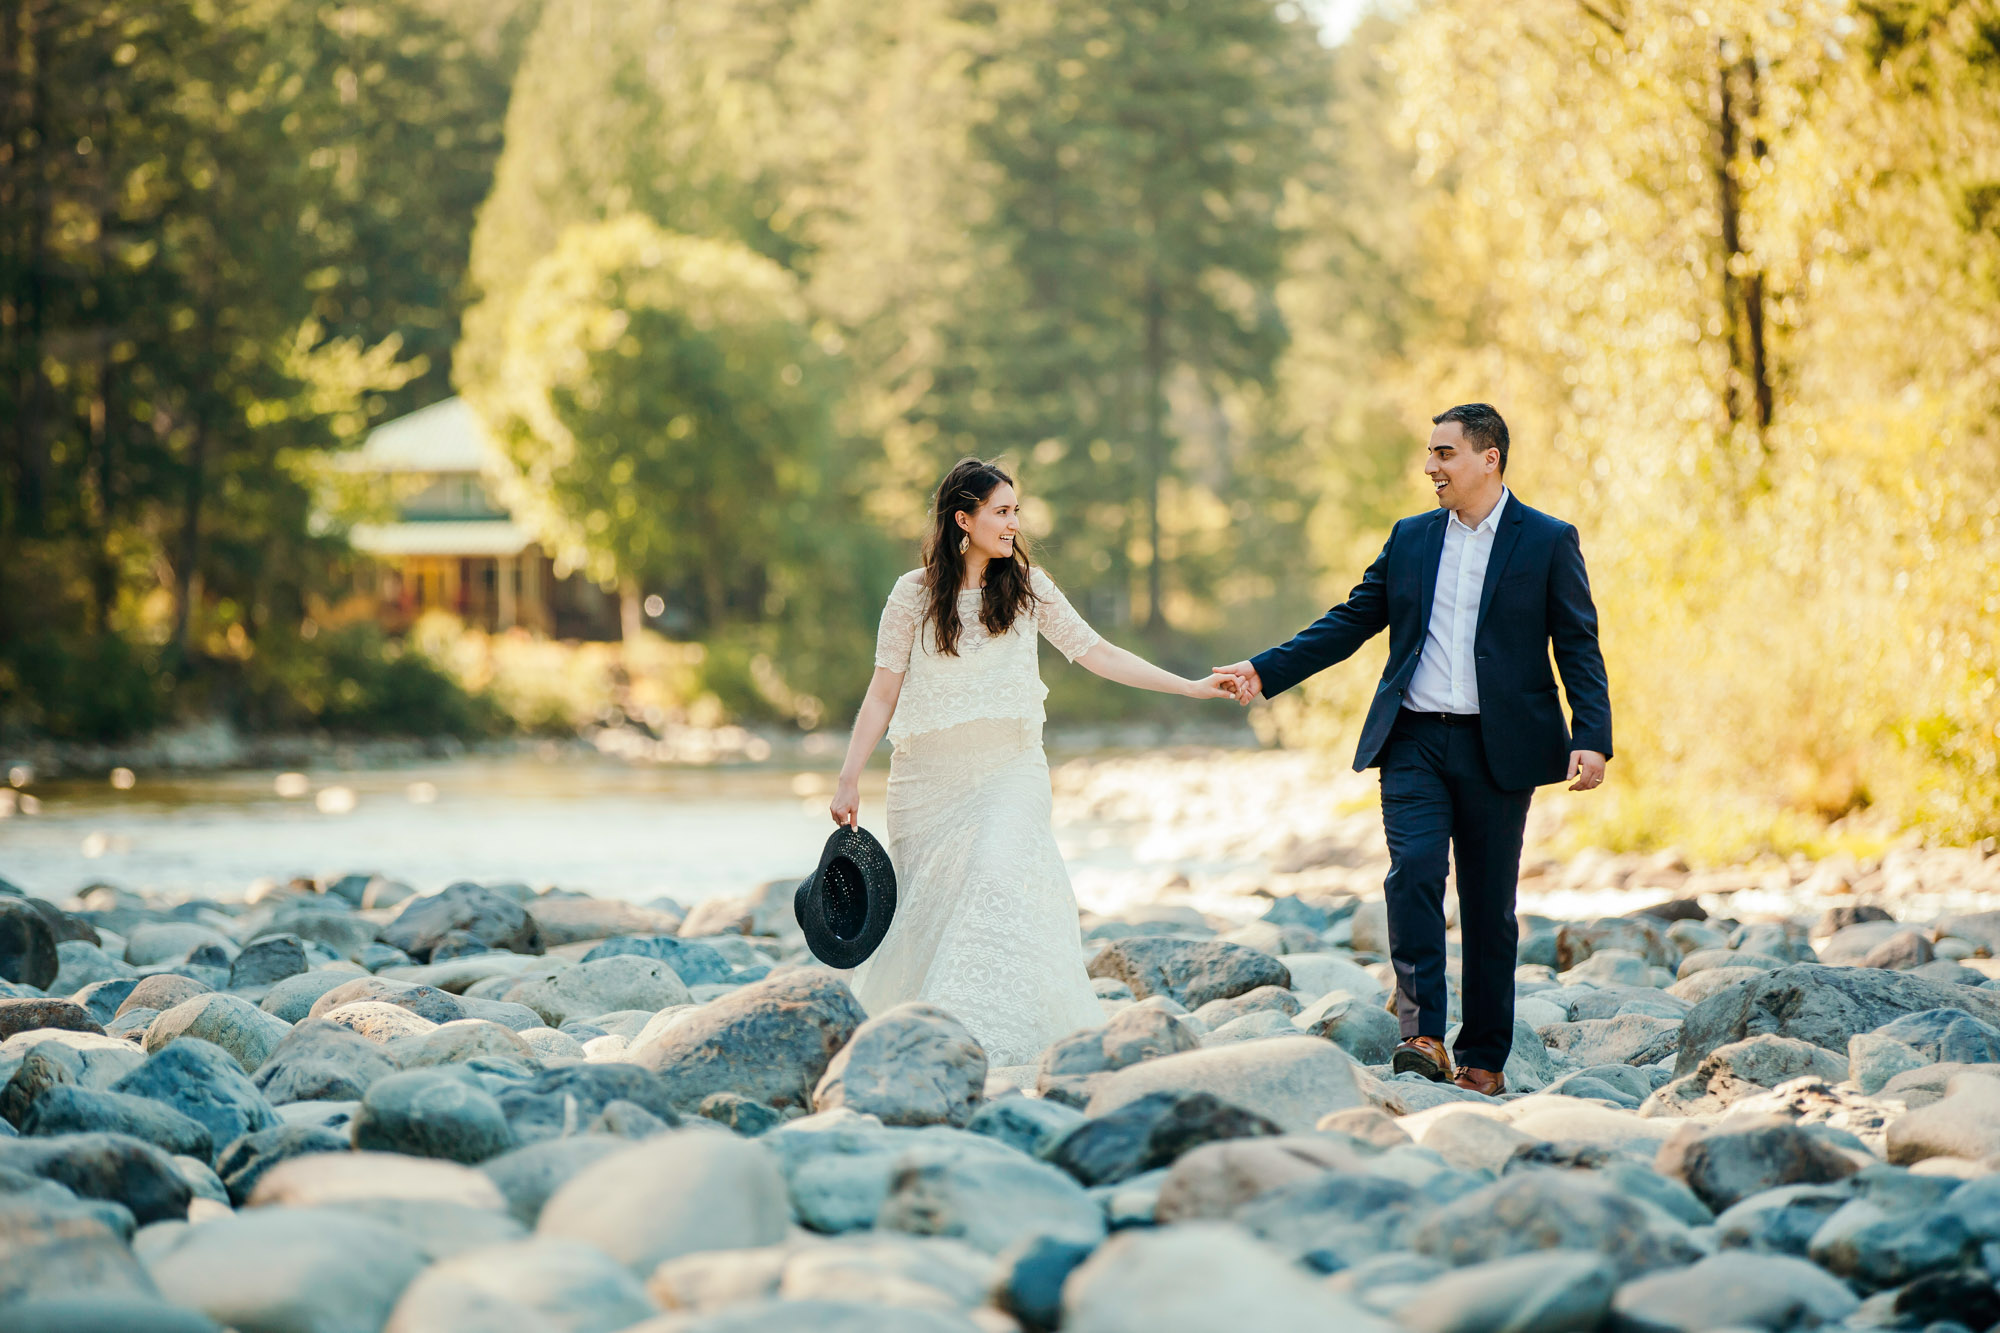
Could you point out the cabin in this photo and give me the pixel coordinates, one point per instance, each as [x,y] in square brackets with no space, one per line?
[452,545]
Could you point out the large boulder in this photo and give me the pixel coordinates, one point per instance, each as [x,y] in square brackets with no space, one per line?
[1742,1069]
[1191,972]
[1823,1005]
[322,1061]
[771,1040]
[622,981]
[432,1113]
[680,1193]
[1291,1081]
[1199,1277]
[27,945]
[299,1270]
[914,1065]
[229,1021]
[497,920]
[1729,1164]
[205,1083]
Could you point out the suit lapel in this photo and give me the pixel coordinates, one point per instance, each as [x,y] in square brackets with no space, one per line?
[1503,546]
[1433,552]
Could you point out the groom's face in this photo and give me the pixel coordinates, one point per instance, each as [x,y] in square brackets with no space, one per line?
[1460,472]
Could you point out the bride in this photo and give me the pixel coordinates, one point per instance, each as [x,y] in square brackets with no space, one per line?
[986,924]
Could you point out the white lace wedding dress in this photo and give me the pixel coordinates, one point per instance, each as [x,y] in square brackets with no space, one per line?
[985,924]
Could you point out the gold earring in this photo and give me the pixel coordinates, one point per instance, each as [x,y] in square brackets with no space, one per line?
[964,542]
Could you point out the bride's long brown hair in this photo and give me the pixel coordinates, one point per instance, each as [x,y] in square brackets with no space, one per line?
[1007,593]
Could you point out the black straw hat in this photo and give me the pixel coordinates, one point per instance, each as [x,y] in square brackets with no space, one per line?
[845,905]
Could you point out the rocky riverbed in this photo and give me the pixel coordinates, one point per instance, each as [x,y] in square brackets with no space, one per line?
[340,1107]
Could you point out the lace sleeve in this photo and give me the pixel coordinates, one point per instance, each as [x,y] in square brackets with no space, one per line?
[897,634]
[1059,622]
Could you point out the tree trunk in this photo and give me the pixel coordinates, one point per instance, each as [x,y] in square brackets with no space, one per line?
[103,564]
[1156,374]
[1749,392]
[187,580]
[629,621]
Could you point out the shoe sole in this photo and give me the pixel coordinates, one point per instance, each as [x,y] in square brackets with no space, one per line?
[1416,1062]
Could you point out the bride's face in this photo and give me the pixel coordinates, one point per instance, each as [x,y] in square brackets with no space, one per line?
[993,528]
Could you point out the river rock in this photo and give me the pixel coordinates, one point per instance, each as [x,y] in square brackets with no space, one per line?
[1576,942]
[695,962]
[1964,1123]
[1549,1292]
[1967,1300]
[1734,1290]
[1743,1068]
[1982,928]
[18,1015]
[94,1061]
[1707,960]
[243,1163]
[378,1021]
[1070,1068]
[1150,1133]
[432,1113]
[1362,1028]
[229,1021]
[1946,1036]
[1611,967]
[1730,1163]
[100,999]
[62,1251]
[1631,1039]
[1900,952]
[1820,1004]
[162,991]
[316,1180]
[1196,1278]
[1031,1277]
[68,1109]
[459,1041]
[325,924]
[116,1168]
[1334,1220]
[1291,1081]
[1783,1220]
[530,1284]
[561,1101]
[427,1002]
[677,1194]
[322,1061]
[549,1046]
[838,1165]
[498,920]
[1316,974]
[27,945]
[529,1175]
[1193,972]
[297,1270]
[622,981]
[573,920]
[173,942]
[82,964]
[990,1201]
[1874,1247]
[269,960]
[205,1083]
[98,1313]
[771,1040]
[1216,1179]
[914,1065]
[292,998]
[1468,1140]
[1032,1124]
[1552,1210]
[1262,1000]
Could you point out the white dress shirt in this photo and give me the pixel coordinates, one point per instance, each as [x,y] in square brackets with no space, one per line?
[1445,680]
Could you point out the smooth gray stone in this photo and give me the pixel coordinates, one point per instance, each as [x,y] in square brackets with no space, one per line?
[426,1002]
[1735,1289]
[1554,1292]
[695,961]
[322,1061]
[563,1100]
[1946,1035]
[432,1113]
[102,998]
[292,998]
[1819,1004]
[84,964]
[537,1283]
[1031,1124]
[680,1193]
[914,1065]
[301,1270]
[1193,972]
[228,1021]
[104,1314]
[1539,1210]
[162,991]
[771,1040]
[68,1109]
[1876,1248]
[269,960]
[1730,1164]
[243,1163]
[113,1167]
[989,1201]
[204,1082]
[528,1176]
[1783,1220]
[495,918]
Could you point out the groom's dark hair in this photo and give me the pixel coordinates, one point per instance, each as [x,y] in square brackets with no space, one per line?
[1481,424]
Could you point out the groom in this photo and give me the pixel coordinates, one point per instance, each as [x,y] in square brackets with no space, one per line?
[1465,724]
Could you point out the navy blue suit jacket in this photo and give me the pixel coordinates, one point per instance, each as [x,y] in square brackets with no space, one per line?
[1536,597]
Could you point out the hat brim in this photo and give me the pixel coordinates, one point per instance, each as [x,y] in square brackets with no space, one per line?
[845,906]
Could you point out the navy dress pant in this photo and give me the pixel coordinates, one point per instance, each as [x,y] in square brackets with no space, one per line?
[1439,801]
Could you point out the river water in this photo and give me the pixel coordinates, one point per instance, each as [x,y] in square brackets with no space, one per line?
[565,818]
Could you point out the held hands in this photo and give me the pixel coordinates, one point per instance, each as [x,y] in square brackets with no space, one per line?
[1587,768]
[1217,686]
[846,804]
[1247,686]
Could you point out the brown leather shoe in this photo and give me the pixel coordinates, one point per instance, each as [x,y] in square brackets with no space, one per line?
[1485,1082]
[1422,1055]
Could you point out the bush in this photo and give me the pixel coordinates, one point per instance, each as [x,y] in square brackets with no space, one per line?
[93,689]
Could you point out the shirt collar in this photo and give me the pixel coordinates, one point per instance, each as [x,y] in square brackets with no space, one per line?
[1487,524]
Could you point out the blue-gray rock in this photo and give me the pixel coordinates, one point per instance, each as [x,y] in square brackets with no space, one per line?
[327,923]
[1069,1068]
[68,1109]
[1152,1132]
[432,1113]
[1552,1210]
[1874,1247]
[1556,1292]
[1900,952]
[1780,939]
[27,945]
[495,918]
[1728,1165]
[113,1167]
[696,963]
[672,1195]
[268,960]
[322,1061]
[424,1001]
[299,1270]
[748,1118]
[458,944]
[102,998]
[1735,1289]
[1334,1220]
[229,1021]
[528,1176]
[1032,1124]
[1291,910]
[1629,1039]
[83,963]
[1946,1035]
[377,955]
[1783,1220]
[1823,1005]
[243,1163]
[104,1314]
[771,1040]
[988,1200]
[538,1283]
[622,981]
[1357,1025]
[26,1015]
[162,991]
[1191,972]
[559,1101]
[203,1082]
[914,1065]
[293,997]
[1577,941]
[1031,1276]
